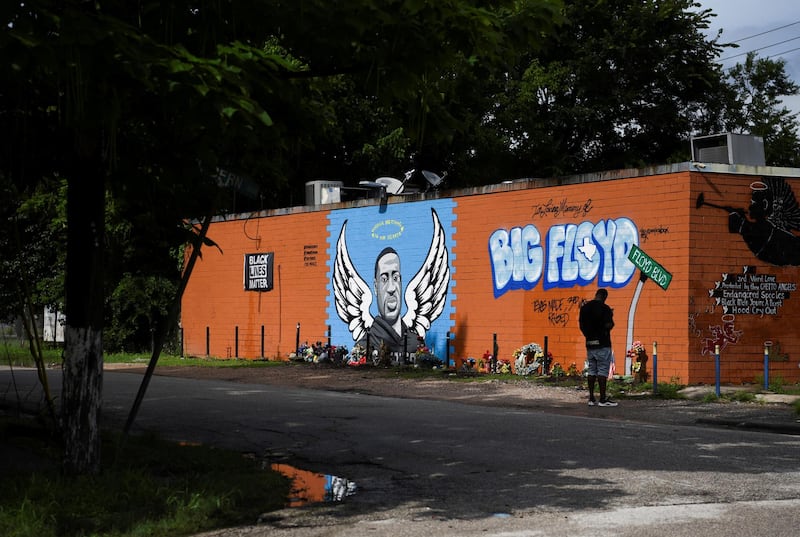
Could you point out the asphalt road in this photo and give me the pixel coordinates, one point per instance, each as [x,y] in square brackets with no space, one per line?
[448,469]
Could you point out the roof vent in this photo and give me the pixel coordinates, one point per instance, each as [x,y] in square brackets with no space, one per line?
[729,148]
[323,192]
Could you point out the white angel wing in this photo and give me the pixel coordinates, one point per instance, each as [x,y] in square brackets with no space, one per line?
[353,295]
[426,292]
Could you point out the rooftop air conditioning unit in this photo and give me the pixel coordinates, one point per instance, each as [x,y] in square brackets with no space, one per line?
[729,148]
[322,192]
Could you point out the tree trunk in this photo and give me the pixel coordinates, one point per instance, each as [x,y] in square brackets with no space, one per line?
[82,390]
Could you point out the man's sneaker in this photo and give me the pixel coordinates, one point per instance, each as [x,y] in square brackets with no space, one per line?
[592,402]
[607,402]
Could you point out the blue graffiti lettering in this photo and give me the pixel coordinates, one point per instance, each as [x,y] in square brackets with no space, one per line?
[576,255]
[516,258]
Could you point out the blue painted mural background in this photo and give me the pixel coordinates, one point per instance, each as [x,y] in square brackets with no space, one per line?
[408,228]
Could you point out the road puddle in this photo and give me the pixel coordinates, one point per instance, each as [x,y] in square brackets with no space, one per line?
[311,487]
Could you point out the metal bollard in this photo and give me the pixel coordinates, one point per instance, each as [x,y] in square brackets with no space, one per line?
[494,353]
[716,368]
[767,345]
[655,368]
[545,359]
[369,354]
[447,350]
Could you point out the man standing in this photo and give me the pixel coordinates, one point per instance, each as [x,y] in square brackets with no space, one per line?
[596,321]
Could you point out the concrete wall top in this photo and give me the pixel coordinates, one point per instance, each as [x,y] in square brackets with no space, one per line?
[529,183]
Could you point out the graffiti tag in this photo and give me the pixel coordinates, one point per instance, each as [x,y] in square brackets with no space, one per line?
[557,309]
[551,208]
[722,336]
[645,233]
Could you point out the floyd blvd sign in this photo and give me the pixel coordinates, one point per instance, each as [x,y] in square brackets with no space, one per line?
[649,267]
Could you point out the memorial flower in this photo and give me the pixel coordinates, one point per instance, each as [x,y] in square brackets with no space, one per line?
[528,359]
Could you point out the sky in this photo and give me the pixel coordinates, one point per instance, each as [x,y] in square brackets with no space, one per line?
[777,22]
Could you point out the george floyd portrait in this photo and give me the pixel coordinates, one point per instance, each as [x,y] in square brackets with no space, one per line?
[388,327]
[423,297]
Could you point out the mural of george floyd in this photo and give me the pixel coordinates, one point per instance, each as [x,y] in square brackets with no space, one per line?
[697,261]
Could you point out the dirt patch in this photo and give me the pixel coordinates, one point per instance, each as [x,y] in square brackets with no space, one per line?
[380,381]
[390,383]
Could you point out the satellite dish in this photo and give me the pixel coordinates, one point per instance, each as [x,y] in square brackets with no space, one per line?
[432,178]
[393,186]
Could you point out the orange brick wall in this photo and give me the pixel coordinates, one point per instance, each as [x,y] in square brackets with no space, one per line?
[692,243]
[657,206]
[740,335]
[215,296]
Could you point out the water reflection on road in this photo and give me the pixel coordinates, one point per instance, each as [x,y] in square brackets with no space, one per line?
[311,487]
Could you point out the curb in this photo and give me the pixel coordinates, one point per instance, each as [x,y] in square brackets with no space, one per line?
[751,425]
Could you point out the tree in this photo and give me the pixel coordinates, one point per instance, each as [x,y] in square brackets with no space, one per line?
[402,93]
[83,75]
[617,83]
[621,84]
[31,266]
[147,102]
[753,106]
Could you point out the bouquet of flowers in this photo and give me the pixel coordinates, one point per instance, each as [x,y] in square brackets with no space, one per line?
[485,364]
[306,353]
[357,356]
[638,357]
[338,354]
[557,371]
[635,353]
[425,359]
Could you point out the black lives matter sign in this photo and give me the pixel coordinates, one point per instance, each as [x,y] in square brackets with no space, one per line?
[258,271]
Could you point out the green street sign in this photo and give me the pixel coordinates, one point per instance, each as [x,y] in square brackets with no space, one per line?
[649,267]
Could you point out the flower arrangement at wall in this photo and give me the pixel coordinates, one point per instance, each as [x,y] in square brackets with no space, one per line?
[573,371]
[485,363]
[425,359]
[468,368]
[638,357]
[305,353]
[528,359]
[357,356]
[503,367]
[320,353]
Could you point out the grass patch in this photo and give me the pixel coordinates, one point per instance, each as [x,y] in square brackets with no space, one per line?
[670,390]
[18,355]
[742,396]
[170,360]
[147,486]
